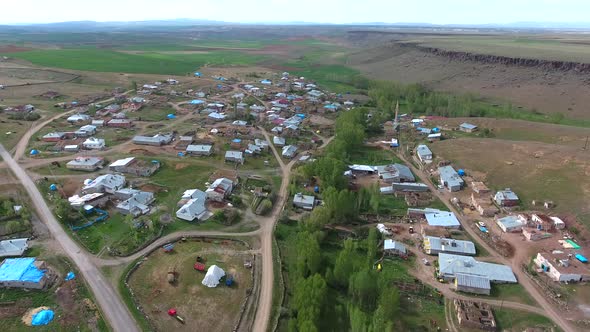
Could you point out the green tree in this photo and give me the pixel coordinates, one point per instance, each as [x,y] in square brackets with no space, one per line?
[7,207]
[13,226]
[308,254]
[318,218]
[344,265]
[372,242]
[308,299]
[363,289]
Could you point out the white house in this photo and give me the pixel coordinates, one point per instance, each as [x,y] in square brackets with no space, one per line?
[305,202]
[107,183]
[563,266]
[94,143]
[194,208]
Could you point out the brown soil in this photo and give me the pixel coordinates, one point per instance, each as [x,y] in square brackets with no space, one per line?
[151,188]
[533,88]
[66,299]
[70,187]
[143,152]
[13,49]
[14,309]
[180,166]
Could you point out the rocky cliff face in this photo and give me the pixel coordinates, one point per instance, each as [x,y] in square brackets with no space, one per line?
[564,66]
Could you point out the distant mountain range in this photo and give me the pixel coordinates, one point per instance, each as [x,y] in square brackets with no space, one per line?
[183,22]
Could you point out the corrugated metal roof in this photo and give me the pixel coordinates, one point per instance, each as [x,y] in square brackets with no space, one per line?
[394,245]
[451,265]
[473,281]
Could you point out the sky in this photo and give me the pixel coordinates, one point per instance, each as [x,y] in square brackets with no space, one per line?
[317,11]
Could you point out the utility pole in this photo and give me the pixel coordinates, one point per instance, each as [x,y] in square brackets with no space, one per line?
[586,145]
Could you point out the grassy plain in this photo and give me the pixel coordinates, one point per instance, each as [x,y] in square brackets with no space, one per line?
[145,63]
[203,308]
[547,47]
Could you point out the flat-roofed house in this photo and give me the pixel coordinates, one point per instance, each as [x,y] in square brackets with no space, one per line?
[450,178]
[436,245]
[88,164]
[199,149]
[234,156]
[305,202]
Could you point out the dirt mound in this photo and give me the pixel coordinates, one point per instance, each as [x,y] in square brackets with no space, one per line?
[151,188]
[28,316]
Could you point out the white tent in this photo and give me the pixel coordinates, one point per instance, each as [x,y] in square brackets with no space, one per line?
[214,274]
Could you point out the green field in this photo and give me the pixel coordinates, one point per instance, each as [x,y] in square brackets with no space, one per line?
[145,63]
[209,309]
[546,48]
[514,320]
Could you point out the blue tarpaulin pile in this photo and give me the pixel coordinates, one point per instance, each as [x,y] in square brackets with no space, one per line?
[70,276]
[43,317]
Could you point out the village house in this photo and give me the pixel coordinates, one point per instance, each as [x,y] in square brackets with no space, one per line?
[13,247]
[94,143]
[219,190]
[450,178]
[120,123]
[88,164]
[510,224]
[194,206]
[434,137]
[77,118]
[436,245]
[199,150]
[395,173]
[564,265]
[475,276]
[94,200]
[234,157]
[26,272]
[85,131]
[506,198]
[278,141]
[394,248]
[262,143]
[156,140]
[107,183]
[289,151]
[134,166]
[305,202]
[406,187]
[98,123]
[533,234]
[54,137]
[467,127]
[135,202]
[424,153]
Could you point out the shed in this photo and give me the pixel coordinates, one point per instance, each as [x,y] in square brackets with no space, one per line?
[470,283]
[467,127]
[394,248]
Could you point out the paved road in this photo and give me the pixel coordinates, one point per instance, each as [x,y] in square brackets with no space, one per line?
[114,310]
[549,309]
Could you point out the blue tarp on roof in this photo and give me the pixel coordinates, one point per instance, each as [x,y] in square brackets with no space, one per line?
[20,269]
[581,258]
[43,317]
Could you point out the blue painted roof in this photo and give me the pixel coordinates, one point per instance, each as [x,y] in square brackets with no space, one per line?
[581,258]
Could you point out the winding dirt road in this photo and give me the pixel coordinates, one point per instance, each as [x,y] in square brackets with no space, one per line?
[115,311]
[548,309]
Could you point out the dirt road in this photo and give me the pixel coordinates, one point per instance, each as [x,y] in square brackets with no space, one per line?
[549,309]
[114,310]
[24,141]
